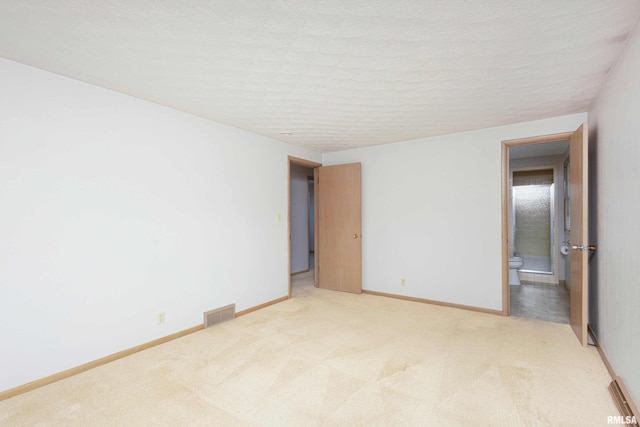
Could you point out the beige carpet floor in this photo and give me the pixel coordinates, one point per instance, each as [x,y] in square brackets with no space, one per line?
[329,358]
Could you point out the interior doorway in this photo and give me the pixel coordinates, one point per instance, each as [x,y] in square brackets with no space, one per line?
[535,222]
[301,216]
[571,237]
[537,287]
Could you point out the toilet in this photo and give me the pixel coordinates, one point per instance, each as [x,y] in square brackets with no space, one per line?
[514,264]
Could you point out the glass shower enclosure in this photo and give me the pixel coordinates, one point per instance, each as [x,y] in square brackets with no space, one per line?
[533,219]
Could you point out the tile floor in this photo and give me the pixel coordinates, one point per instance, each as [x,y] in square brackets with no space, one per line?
[540,301]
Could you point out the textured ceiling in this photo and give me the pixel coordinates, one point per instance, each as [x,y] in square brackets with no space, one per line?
[336,74]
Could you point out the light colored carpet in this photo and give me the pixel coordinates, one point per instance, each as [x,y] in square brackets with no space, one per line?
[329,358]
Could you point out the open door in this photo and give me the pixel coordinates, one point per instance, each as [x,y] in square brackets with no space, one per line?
[339,219]
[579,273]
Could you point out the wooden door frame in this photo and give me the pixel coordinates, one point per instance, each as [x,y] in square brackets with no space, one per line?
[310,164]
[506,144]
[312,179]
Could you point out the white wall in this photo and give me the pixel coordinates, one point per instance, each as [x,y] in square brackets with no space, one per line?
[432,212]
[299,199]
[113,209]
[614,134]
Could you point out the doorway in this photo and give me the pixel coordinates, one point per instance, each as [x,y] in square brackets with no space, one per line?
[337,225]
[301,217]
[574,217]
[536,229]
[535,226]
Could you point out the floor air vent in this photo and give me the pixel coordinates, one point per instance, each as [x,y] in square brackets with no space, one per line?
[625,406]
[219,315]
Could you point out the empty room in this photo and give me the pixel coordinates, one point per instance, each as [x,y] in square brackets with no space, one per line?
[319,213]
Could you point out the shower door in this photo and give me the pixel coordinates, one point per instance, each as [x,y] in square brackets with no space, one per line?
[533,211]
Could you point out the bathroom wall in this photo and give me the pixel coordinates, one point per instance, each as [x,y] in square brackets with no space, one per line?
[614,133]
[113,210]
[432,212]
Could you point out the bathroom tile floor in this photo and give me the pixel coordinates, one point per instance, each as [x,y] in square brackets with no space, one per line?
[540,301]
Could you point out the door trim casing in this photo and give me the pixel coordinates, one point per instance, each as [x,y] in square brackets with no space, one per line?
[506,144]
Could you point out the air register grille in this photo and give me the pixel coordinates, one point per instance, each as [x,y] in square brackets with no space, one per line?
[219,315]
[625,405]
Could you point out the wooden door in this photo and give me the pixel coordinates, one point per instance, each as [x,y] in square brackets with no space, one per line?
[339,219]
[578,193]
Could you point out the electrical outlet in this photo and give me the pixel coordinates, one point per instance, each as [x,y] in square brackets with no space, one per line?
[161,318]
[403,282]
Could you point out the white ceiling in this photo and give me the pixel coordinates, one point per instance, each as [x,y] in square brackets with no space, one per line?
[336,74]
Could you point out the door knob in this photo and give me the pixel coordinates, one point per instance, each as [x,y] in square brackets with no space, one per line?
[583,248]
[355,236]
